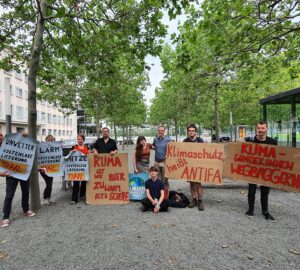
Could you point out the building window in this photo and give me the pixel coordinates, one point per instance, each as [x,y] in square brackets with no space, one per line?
[49,131]
[58,120]
[55,132]
[70,122]
[49,117]
[59,133]
[19,113]
[18,75]
[64,133]
[11,90]
[44,132]
[19,92]
[68,133]
[43,117]
[54,119]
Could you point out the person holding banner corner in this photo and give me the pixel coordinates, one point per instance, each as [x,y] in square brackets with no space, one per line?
[160,146]
[196,188]
[262,138]
[155,194]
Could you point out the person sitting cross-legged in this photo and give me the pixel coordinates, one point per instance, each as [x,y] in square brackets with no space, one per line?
[155,194]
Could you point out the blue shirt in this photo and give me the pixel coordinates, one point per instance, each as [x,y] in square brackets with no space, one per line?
[161,147]
[155,187]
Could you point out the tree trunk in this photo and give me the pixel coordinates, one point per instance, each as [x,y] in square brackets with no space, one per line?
[176,130]
[123,145]
[216,105]
[97,119]
[32,78]
[115,131]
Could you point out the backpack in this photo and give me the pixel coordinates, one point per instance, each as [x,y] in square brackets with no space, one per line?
[178,200]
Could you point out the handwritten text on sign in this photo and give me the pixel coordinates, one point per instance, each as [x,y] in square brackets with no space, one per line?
[50,158]
[76,167]
[108,179]
[17,155]
[269,165]
[195,162]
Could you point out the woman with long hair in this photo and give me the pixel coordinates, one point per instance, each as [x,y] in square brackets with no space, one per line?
[141,158]
[79,187]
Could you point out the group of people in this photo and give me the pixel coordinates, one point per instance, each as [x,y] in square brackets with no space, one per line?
[157,182]
[156,186]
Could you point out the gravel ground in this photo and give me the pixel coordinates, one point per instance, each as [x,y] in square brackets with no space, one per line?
[65,236]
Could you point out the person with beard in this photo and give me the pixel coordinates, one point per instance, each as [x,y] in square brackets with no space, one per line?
[262,138]
[105,145]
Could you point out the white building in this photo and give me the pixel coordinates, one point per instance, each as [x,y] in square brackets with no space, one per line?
[49,119]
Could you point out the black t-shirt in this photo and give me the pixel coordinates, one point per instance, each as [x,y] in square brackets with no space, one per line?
[154,187]
[198,140]
[268,140]
[105,148]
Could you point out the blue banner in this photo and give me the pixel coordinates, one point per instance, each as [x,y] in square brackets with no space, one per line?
[137,185]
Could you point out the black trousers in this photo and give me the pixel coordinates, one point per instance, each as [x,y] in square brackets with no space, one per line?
[264,197]
[48,188]
[79,188]
[149,206]
[11,186]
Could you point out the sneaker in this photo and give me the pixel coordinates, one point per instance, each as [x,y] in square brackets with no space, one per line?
[4,223]
[249,214]
[200,206]
[51,201]
[269,217]
[46,202]
[193,203]
[29,213]
[72,202]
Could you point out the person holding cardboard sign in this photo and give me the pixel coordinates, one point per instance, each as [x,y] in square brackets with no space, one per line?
[79,187]
[196,188]
[11,186]
[105,145]
[48,179]
[262,138]
[155,194]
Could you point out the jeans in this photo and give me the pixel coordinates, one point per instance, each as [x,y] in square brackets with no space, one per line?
[48,188]
[11,186]
[264,197]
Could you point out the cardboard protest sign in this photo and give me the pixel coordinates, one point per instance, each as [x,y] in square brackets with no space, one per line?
[137,185]
[76,167]
[108,179]
[195,162]
[50,158]
[17,155]
[268,165]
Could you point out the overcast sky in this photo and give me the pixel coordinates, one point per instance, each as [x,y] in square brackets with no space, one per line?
[156,72]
